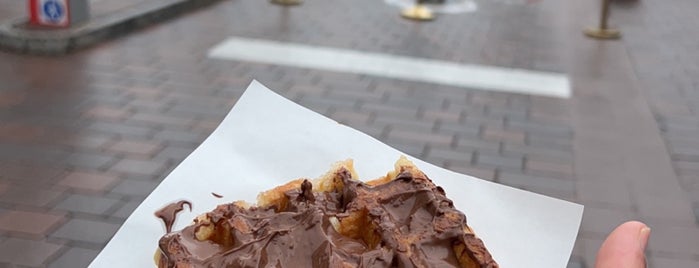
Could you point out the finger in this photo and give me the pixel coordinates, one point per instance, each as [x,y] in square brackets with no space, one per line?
[624,247]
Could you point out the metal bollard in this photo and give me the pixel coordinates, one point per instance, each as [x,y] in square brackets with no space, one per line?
[603,31]
[287,2]
[418,12]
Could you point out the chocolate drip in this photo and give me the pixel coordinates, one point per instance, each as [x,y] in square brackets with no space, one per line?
[169,213]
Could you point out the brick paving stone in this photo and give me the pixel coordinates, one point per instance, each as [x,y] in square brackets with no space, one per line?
[599,222]
[384,110]
[143,92]
[174,153]
[488,98]
[675,263]
[576,264]
[89,181]
[498,161]
[378,132]
[139,147]
[32,223]
[126,209]
[351,118]
[206,126]
[505,112]
[26,252]
[478,119]
[400,124]
[355,95]
[135,187]
[538,140]
[536,183]
[689,180]
[11,98]
[590,247]
[448,155]
[462,130]
[180,137]
[86,204]
[159,119]
[536,151]
[610,193]
[319,102]
[430,101]
[478,145]
[689,166]
[135,166]
[544,166]
[547,117]
[144,105]
[303,90]
[547,128]
[25,171]
[107,113]
[121,129]
[31,153]
[478,172]
[417,150]
[433,138]
[29,196]
[671,209]
[87,141]
[671,239]
[90,231]
[204,111]
[508,136]
[685,154]
[88,160]
[443,116]
[75,257]
[16,132]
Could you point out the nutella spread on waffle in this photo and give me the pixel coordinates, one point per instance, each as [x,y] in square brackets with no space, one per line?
[404,221]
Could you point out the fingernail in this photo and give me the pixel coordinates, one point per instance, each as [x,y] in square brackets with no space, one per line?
[643,237]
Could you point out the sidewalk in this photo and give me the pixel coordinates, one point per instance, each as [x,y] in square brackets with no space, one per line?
[86,137]
[10,9]
[108,19]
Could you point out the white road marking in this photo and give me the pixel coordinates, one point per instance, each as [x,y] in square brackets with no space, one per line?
[393,66]
[448,7]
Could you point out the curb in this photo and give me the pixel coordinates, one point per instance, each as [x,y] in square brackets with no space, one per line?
[15,38]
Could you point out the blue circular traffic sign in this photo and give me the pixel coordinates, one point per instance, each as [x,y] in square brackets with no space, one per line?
[53,10]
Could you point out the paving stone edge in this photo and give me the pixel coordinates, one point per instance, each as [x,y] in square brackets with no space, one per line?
[59,42]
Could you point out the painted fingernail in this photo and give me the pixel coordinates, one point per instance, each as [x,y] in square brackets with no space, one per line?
[643,237]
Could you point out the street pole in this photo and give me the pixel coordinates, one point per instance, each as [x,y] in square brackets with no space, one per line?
[603,31]
[418,12]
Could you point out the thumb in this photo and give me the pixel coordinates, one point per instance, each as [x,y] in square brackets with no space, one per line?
[624,247]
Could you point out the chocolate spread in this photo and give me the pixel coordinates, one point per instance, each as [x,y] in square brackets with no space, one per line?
[406,222]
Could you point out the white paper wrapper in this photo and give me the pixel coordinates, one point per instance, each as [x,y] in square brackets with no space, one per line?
[267,140]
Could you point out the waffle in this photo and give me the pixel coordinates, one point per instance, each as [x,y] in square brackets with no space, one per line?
[399,220]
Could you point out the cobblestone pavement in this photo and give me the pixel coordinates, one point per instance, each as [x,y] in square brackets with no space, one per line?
[672,91]
[86,137]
